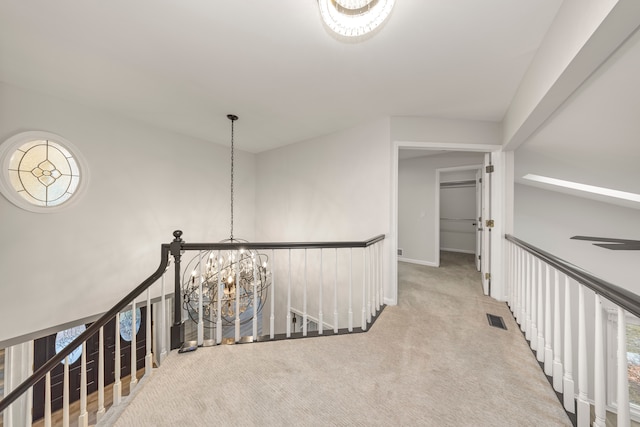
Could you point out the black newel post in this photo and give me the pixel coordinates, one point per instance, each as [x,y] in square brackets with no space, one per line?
[177,329]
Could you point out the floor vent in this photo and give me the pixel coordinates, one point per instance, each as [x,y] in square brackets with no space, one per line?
[496,321]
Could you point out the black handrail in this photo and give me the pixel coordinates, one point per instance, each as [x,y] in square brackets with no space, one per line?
[619,296]
[175,248]
[279,245]
[89,332]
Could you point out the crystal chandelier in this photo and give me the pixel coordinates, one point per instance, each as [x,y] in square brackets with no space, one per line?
[231,284]
[354,18]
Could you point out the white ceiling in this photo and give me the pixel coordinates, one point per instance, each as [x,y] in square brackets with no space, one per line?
[184,65]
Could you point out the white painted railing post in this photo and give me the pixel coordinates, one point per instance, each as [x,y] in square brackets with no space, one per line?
[238,255]
[256,263]
[369,284]
[101,409]
[568,383]
[335,296]
[134,344]
[320,314]
[83,418]
[304,298]
[364,289]
[163,319]
[350,326]
[529,291]
[117,385]
[624,416]
[599,367]
[220,296]
[540,344]
[289,300]
[148,360]
[200,332]
[47,400]
[548,351]
[272,317]
[534,304]
[65,394]
[523,291]
[584,411]
[557,339]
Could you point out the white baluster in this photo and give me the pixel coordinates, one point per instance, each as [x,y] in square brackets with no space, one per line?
[304,298]
[523,291]
[376,270]
[567,381]
[220,295]
[65,393]
[134,344]
[272,318]
[238,254]
[540,316]
[335,296]
[163,319]
[364,289]
[369,285]
[117,385]
[47,400]
[101,409]
[584,416]
[599,367]
[529,297]
[534,304]
[148,360]
[350,326]
[516,284]
[289,300]
[624,416]
[320,315]
[557,339]
[83,418]
[256,262]
[200,337]
[548,351]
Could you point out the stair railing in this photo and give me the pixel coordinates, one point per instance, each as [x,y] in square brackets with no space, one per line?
[541,295]
[354,286]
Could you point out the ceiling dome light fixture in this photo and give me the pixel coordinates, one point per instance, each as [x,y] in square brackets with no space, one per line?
[354,18]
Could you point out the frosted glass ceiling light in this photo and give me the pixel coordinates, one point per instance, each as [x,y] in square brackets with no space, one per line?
[354,18]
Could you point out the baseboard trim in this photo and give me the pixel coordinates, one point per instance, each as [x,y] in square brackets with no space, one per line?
[461,251]
[417,261]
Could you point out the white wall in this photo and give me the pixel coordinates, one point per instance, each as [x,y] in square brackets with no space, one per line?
[332,188]
[548,220]
[416,202]
[329,188]
[145,183]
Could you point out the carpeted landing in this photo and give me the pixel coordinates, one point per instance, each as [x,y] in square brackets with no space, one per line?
[432,360]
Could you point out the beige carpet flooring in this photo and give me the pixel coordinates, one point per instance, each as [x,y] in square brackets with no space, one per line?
[432,360]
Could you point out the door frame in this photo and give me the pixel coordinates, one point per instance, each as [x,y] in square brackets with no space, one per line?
[477,167]
[392,297]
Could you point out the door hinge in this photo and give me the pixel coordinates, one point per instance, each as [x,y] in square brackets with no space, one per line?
[487,276]
[490,223]
[490,169]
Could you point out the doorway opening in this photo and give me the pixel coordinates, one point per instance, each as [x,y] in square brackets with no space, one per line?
[421,222]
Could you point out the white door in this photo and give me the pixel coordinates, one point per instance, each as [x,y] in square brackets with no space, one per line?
[478,218]
[485,264]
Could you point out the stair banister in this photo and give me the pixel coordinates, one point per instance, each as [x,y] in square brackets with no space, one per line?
[88,333]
